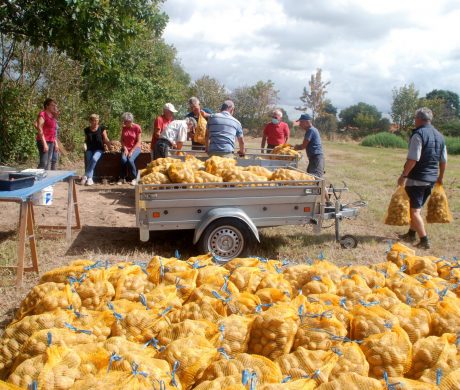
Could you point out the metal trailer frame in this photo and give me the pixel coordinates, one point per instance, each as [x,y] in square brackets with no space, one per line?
[250,205]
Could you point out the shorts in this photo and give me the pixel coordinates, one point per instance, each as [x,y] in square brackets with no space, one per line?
[418,195]
[316,165]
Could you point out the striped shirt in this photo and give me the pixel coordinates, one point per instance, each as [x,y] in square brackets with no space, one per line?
[222,130]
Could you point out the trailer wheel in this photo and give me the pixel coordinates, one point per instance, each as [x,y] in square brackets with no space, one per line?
[226,238]
[348,241]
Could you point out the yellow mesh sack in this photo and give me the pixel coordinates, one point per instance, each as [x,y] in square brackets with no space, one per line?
[246,278]
[398,213]
[17,334]
[188,328]
[401,383]
[212,275]
[298,275]
[99,323]
[373,278]
[201,260]
[205,177]
[433,353]
[352,381]
[47,297]
[275,280]
[40,341]
[200,130]
[194,162]
[398,252]
[129,282]
[299,384]
[216,164]
[420,264]
[259,171]
[180,173]
[387,268]
[185,282]
[305,363]
[192,355]
[320,285]
[384,296]
[57,368]
[231,382]
[243,303]
[239,262]
[339,306]
[163,296]
[273,332]
[141,325]
[370,320]
[156,178]
[159,266]
[61,274]
[353,288]
[272,296]
[234,333]
[95,290]
[94,359]
[416,322]
[446,318]
[317,331]
[390,351]
[236,175]
[326,268]
[207,309]
[451,381]
[8,386]
[282,174]
[438,206]
[209,291]
[351,359]
[265,370]
[407,287]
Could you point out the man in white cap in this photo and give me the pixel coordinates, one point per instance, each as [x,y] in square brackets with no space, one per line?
[161,122]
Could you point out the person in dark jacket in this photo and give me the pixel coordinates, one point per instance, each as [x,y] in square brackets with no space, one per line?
[425,165]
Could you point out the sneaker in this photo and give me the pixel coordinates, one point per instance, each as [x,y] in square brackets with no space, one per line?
[133,182]
[407,237]
[120,182]
[90,182]
[425,244]
[83,180]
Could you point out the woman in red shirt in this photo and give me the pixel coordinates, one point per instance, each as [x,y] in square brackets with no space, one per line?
[130,147]
[46,132]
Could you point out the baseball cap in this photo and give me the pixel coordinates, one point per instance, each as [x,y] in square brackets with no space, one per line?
[169,107]
[304,117]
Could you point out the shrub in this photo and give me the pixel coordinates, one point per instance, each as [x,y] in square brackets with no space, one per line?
[453,145]
[384,140]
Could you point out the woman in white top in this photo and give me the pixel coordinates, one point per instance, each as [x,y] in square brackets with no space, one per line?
[173,136]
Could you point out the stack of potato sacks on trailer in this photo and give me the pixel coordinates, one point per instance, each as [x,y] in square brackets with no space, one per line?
[213,170]
[250,324]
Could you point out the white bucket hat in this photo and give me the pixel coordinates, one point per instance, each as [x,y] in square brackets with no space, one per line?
[169,107]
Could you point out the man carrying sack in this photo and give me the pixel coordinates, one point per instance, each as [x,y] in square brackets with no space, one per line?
[425,165]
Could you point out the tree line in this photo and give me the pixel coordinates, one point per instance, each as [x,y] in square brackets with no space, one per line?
[106,58]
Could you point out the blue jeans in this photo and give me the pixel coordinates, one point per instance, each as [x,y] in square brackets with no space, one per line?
[45,157]
[92,157]
[129,162]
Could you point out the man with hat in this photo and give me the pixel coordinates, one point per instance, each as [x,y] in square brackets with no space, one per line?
[161,122]
[312,145]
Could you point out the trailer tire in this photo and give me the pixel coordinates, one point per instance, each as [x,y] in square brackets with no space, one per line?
[226,238]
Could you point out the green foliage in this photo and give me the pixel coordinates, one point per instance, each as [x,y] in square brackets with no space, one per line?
[327,124]
[451,101]
[314,100]
[361,115]
[451,128]
[210,92]
[452,145]
[405,102]
[384,140]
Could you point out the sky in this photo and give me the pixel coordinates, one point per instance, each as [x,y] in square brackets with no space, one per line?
[365,48]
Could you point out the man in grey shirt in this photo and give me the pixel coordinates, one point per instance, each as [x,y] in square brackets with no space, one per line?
[222,129]
[425,165]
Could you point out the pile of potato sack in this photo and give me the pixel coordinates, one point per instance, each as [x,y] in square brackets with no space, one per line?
[214,170]
[115,147]
[250,324]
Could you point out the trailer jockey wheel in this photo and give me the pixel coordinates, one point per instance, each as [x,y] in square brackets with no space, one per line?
[348,241]
[226,238]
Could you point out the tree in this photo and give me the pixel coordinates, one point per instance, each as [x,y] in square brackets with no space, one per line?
[253,104]
[451,102]
[210,92]
[360,115]
[405,102]
[314,100]
[329,108]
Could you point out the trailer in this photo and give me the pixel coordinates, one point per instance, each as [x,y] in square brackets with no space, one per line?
[225,217]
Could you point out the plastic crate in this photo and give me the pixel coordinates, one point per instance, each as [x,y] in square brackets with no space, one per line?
[15,181]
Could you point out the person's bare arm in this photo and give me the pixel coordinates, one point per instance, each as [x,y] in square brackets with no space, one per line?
[262,144]
[241,143]
[105,138]
[303,146]
[39,126]
[137,144]
[286,136]
[408,166]
[442,169]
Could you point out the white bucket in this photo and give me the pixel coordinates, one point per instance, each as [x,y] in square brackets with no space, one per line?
[44,197]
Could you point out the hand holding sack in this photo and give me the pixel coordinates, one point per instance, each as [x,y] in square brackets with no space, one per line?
[398,213]
[438,207]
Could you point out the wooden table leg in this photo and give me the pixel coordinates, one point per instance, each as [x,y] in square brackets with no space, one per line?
[75,204]
[69,210]
[31,233]
[23,213]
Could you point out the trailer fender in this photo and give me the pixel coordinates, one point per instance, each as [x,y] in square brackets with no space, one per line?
[228,212]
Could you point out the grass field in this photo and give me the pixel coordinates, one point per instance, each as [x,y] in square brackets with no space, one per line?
[370,174]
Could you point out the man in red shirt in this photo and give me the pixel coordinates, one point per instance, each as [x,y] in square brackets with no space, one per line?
[161,122]
[275,132]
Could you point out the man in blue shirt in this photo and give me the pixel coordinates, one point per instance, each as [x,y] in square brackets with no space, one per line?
[223,128]
[312,145]
[425,165]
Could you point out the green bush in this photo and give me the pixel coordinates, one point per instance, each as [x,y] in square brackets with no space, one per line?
[384,140]
[453,145]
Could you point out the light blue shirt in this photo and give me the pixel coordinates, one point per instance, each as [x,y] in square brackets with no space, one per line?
[223,128]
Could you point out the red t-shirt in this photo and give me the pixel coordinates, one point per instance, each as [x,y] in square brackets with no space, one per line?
[49,127]
[129,135]
[276,134]
[160,123]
